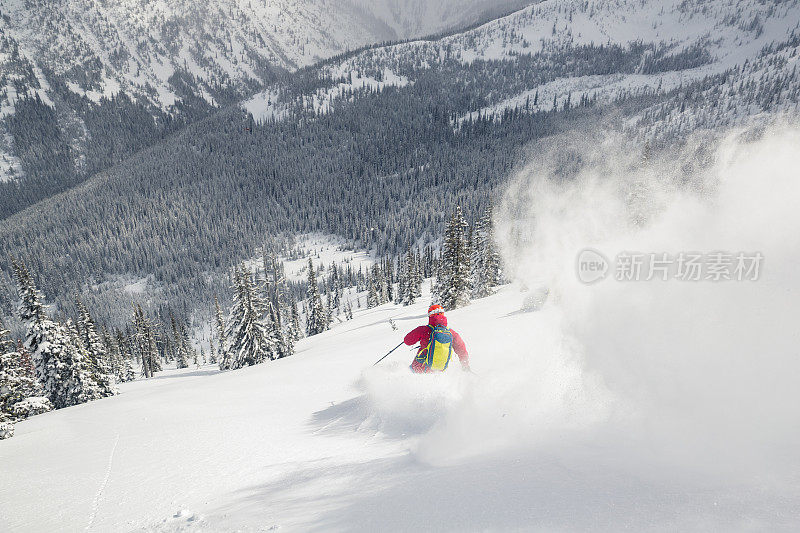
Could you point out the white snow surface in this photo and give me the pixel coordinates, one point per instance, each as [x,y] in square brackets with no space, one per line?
[323,441]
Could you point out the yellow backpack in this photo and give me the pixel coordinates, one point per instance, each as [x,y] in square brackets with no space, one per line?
[436,356]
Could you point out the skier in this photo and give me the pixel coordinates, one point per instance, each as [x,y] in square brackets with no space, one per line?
[436,344]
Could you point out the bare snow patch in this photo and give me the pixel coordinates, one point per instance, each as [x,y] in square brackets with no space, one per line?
[324,250]
[137,287]
[267,105]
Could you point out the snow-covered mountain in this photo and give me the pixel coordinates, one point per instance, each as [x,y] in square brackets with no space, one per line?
[82,60]
[725,46]
[103,47]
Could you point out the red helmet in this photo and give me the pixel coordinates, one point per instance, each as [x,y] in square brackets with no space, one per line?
[435,310]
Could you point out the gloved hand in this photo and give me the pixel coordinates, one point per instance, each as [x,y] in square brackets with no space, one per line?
[465,367]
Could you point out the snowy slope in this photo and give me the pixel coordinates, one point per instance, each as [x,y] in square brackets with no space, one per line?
[646,406]
[322,441]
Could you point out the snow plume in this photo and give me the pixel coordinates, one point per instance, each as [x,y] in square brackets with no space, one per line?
[698,374]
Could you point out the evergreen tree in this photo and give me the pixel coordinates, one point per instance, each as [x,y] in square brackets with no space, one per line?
[328,310]
[492,272]
[59,364]
[316,321]
[338,287]
[173,346]
[21,395]
[428,263]
[185,350]
[223,352]
[372,291]
[250,341]
[212,358]
[454,282]
[295,331]
[402,281]
[127,370]
[418,276]
[281,346]
[388,280]
[113,353]
[412,286]
[98,357]
[83,386]
[145,343]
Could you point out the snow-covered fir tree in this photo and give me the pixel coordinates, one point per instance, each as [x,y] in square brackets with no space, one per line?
[275,286]
[486,269]
[212,357]
[176,346]
[402,275]
[128,370]
[337,286]
[186,342]
[145,343]
[6,427]
[180,343]
[99,360]
[84,386]
[295,331]
[316,321]
[454,271]
[116,357]
[21,396]
[248,332]
[387,271]
[329,312]
[428,263]
[373,300]
[223,354]
[412,279]
[58,359]
[281,345]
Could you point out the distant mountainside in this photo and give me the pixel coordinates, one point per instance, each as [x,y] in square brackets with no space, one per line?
[377,145]
[740,54]
[86,83]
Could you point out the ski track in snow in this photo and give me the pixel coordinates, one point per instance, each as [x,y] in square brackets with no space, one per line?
[96,501]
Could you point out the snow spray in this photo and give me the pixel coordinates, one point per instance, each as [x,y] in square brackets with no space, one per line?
[699,373]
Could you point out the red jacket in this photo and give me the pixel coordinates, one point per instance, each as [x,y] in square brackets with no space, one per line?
[422,335]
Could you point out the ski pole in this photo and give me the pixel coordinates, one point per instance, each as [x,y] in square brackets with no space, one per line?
[388,354]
